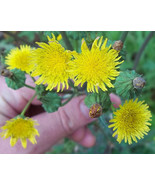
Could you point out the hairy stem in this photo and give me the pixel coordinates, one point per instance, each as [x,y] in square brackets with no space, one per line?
[142,49]
[33,78]
[30,87]
[28,104]
[123,36]
[69,99]
[65,91]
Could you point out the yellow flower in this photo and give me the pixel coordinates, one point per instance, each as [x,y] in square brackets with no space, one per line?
[19,128]
[52,64]
[131,121]
[20,58]
[97,66]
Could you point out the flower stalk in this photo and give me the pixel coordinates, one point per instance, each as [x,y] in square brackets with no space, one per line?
[27,105]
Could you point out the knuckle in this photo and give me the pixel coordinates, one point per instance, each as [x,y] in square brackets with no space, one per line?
[65,121]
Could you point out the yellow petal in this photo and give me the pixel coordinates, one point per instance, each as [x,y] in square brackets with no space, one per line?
[100,41]
[53,36]
[32,140]
[84,45]
[13,141]
[104,44]
[59,37]
[94,45]
[24,143]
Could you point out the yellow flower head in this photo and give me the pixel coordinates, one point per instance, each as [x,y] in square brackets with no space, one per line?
[97,66]
[131,121]
[19,128]
[52,64]
[20,58]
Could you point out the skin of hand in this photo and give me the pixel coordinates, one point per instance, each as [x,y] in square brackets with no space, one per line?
[69,121]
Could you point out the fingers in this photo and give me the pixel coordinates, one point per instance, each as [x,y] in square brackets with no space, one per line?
[115,100]
[84,137]
[88,140]
[78,135]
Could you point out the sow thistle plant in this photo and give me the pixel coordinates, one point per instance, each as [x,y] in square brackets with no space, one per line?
[95,72]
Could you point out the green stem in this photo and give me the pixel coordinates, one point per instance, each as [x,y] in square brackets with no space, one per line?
[30,87]
[71,83]
[33,78]
[68,99]
[124,35]
[142,49]
[28,104]
[64,92]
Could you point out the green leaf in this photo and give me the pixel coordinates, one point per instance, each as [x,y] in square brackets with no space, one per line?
[50,102]
[90,99]
[17,80]
[101,98]
[40,90]
[124,85]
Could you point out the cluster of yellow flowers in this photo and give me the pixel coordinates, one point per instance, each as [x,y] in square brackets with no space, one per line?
[54,66]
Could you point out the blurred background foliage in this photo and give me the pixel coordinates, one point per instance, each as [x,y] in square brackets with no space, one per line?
[105,143]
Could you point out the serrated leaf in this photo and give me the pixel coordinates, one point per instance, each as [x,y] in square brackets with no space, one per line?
[124,85]
[101,98]
[90,99]
[51,102]
[17,80]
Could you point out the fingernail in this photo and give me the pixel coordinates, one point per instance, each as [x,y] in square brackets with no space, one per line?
[84,109]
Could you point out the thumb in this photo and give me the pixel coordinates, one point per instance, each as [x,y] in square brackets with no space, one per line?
[55,126]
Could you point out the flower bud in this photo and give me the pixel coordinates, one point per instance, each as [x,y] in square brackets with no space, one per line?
[129,84]
[139,83]
[95,111]
[118,45]
[5,72]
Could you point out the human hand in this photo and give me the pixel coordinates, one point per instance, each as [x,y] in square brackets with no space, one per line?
[69,121]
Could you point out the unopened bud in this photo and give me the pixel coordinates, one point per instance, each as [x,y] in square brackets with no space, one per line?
[118,45]
[95,111]
[6,73]
[139,83]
